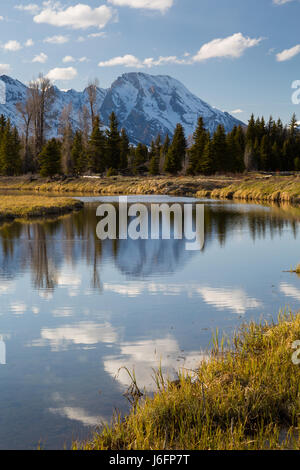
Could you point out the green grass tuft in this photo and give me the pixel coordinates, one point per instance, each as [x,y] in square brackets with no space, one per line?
[245,397]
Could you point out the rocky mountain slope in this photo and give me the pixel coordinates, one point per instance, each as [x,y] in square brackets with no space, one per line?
[144,104]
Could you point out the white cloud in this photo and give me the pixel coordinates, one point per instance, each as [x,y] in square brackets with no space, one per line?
[58,73]
[57,39]
[161,5]
[236,111]
[1,18]
[40,58]
[4,68]
[127,60]
[32,8]
[102,34]
[29,43]
[150,62]
[68,58]
[80,16]
[12,46]
[281,2]
[287,54]
[231,47]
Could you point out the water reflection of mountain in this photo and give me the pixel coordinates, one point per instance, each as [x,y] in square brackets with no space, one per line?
[43,247]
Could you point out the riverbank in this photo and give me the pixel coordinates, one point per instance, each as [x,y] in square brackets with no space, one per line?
[244,398]
[273,189]
[252,187]
[32,206]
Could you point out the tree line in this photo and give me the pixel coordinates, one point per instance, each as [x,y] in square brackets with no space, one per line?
[95,149]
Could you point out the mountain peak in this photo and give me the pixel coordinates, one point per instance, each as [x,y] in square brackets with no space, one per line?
[145,105]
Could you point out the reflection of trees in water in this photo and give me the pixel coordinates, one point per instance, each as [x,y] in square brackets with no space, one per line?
[41,266]
[47,245]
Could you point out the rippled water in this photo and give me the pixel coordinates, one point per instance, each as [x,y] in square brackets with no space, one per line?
[74,309]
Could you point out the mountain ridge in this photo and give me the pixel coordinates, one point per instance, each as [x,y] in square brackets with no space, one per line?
[145,105]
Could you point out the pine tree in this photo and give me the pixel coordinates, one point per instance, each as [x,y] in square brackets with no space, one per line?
[50,158]
[10,146]
[124,150]
[140,158]
[78,154]
[97,149]
[176,154]
[196,151]
[265,151]
[113,149]
[219,150]
[154,156]
[205,164]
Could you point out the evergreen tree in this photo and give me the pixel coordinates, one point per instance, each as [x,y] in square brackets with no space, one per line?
[166,145]
[219,150]
[10,146]
[154,156]
[176,154]
[124,150]
[113,148]
[196,151]
[50,158]
[265,151]
[140,158]
[96,149]
[78,154]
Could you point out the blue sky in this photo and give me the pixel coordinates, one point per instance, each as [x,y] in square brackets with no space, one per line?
[241,56]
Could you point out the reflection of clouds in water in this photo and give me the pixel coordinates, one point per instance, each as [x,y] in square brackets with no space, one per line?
[18,308]
[63,312]
[289,290]
[46,294]
[7,287]
[70,281]
[134,289]
[84,333]
[78,414]
[236,300]
[144,355]
[232,299]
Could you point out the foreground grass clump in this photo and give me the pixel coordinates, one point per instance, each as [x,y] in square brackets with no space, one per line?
[245,397]
[13,207]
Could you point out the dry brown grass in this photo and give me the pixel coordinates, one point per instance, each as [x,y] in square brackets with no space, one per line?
[12,207]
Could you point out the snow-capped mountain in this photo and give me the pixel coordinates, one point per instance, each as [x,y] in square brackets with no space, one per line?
[145,105]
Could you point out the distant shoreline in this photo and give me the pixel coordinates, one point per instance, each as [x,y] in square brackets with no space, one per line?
[250,187]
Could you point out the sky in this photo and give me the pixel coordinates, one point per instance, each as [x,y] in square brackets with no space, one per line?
[241,56]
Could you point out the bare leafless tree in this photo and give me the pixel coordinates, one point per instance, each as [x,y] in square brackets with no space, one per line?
[92,89]
[26,111]
[66,131]
[42,97]
[84,118]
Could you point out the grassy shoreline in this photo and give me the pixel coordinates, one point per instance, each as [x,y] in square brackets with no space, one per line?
[251,187]
[27,207]
[245,397]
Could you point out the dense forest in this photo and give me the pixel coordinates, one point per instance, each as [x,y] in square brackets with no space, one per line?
[93,149]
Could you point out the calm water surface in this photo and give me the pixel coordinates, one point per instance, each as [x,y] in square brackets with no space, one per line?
[73,309]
